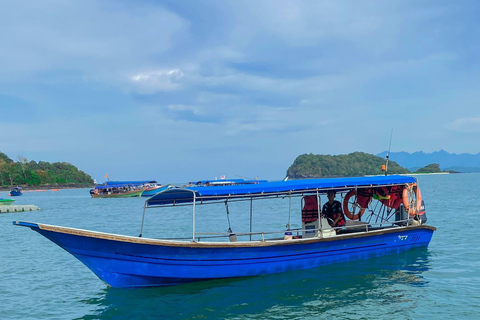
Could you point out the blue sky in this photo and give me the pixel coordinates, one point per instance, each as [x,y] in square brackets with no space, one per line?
[185,90]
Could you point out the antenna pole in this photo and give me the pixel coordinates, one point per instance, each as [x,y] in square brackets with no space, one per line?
[388,154]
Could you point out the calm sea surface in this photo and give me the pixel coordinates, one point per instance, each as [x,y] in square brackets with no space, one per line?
[41,281]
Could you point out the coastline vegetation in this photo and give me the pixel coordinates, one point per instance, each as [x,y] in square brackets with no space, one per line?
[31,173]
[349,165]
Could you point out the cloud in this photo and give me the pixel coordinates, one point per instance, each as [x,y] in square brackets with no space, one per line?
[261,76]
[155,81]
[97,40]
[465,125]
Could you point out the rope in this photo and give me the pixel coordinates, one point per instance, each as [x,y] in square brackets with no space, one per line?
[228,217]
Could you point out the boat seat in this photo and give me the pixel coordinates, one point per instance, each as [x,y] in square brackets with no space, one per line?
[310,209]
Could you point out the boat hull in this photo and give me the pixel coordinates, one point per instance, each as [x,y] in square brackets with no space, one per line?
[6,202]
[123,261]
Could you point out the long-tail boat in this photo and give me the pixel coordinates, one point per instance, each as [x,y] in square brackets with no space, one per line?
[385,216]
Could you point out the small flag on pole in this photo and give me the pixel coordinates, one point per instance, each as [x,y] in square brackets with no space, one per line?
[222,177]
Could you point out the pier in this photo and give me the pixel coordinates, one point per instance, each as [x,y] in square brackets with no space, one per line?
[18,208]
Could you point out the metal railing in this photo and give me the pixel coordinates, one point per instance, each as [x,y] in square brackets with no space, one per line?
[358,228]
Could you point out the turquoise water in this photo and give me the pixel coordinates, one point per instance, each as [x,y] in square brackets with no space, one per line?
[41,281]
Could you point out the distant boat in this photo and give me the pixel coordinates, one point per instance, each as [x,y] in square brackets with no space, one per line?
[387,216]
[16,191]
[115,191]
[136,183]
[223,182]
[6,202]
[151,190]
[121,189]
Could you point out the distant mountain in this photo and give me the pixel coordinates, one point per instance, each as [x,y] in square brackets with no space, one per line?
[464,162]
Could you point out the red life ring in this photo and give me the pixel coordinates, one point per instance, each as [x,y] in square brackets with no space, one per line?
[346,210]
[412,206]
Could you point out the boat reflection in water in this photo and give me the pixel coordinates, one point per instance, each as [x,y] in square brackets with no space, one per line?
[314,293]
[386,216]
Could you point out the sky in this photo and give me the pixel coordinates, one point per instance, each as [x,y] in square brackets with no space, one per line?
[180,91]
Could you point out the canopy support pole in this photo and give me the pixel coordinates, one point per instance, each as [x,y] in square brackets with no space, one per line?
[356,203]
[143,219]
[251,217]
[289,209]
[193,223]
[319,214]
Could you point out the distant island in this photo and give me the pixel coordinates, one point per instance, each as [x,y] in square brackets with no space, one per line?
[30,173]
[350,165]
[464,162]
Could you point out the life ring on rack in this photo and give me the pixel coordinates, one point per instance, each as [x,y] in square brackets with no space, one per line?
[346,210]
[408,202]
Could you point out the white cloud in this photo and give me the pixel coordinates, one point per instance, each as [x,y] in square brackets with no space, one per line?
[466,125]
[91,38]
[154,81]
[179,107]
[288,72]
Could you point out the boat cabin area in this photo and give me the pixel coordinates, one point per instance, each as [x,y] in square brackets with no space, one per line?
[358,205]
[119,188]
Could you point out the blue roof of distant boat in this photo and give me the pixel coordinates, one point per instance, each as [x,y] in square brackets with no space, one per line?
[112,186]
[254,181]
[185,195]
[225,182]
[133,183]
[221,180]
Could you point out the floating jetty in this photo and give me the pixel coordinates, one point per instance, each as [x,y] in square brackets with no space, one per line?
[18,208]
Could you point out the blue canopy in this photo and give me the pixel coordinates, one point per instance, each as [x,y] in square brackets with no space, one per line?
[186,195]
[111,186]
[222,182]
[132,183]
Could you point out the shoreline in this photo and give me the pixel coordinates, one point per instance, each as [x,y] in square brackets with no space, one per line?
[47,187]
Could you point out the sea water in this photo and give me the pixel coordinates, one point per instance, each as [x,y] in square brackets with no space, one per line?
[39,280]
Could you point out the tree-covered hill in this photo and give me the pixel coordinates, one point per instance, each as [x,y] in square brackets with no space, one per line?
[353,164]
[431,168]
[31,173]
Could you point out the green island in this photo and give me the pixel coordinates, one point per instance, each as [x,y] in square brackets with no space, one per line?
[349,165]
[33,174]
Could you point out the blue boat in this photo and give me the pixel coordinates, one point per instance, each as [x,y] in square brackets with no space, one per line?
[130,183]
[223,182]
[16,191]
[388,218]
[116,191]
[124,189]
